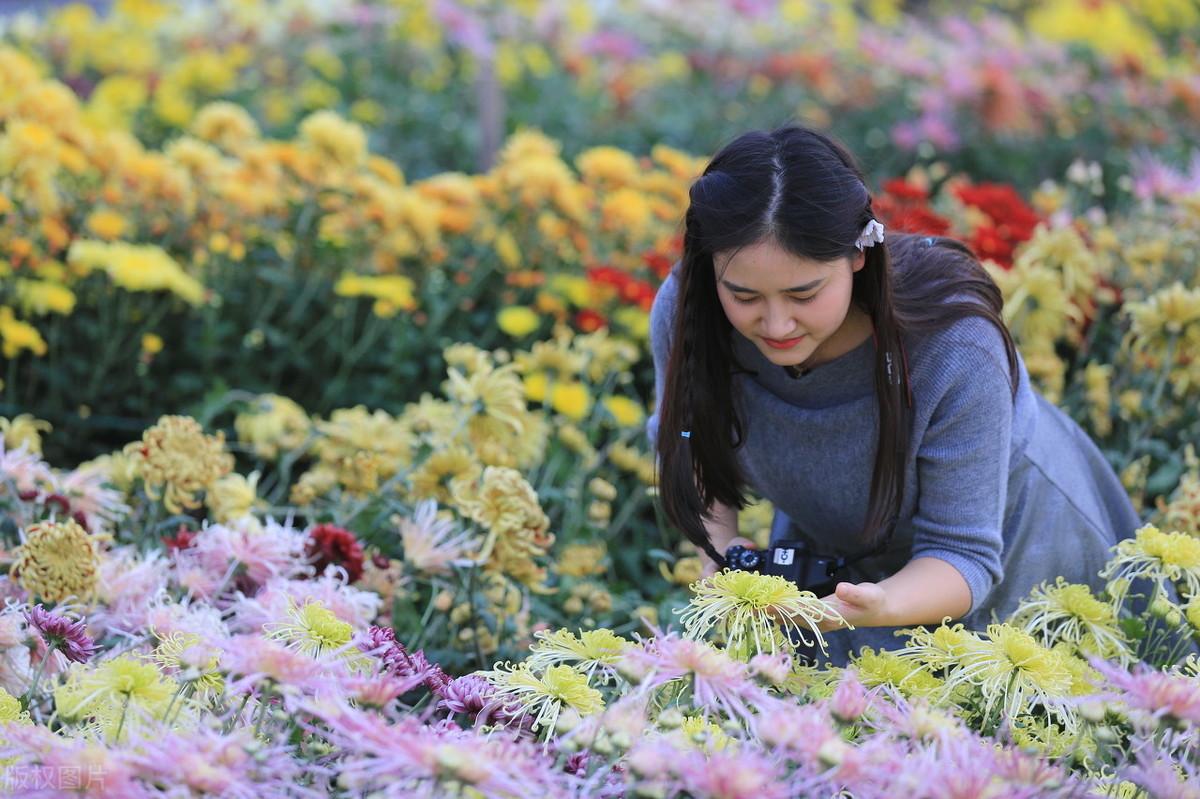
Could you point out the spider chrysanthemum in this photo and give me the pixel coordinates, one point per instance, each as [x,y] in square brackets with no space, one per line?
[755,613]
[1069,612]
[592,650]
[1157,556]
[544,696]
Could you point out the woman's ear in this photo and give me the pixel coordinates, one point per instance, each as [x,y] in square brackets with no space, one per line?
[858,261]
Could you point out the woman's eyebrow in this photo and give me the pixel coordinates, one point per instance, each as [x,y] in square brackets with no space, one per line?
[805,287]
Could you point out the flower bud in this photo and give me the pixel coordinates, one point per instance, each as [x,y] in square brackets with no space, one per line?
[670,719]
[832,752]
[1092,711]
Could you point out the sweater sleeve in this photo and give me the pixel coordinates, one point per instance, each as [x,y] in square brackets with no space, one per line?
[662,321]
[962,460]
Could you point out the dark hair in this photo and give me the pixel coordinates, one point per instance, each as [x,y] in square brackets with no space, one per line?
[803,191]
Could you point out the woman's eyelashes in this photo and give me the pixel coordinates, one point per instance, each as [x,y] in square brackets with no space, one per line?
[748,299]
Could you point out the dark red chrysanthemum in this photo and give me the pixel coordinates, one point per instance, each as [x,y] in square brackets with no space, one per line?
[329,544]
[182,539]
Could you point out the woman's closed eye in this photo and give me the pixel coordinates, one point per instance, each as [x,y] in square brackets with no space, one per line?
[747,299]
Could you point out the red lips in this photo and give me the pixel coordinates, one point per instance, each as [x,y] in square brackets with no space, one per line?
[785,344]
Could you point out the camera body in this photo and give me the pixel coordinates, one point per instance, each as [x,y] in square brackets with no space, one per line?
[792,561]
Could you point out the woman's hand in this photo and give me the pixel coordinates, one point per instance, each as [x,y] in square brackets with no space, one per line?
[861,604]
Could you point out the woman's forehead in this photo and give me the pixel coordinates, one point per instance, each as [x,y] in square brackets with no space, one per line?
[767,265]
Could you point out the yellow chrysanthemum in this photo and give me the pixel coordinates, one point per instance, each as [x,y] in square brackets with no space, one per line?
[354,432]
[496,397]
[1070,612]
[545,696]
[433,478]
[608,166]
[1158,556]
[590,651]
[582,560]
[888,668]
[571,399]
[701,733]
[232,497]
[1169,312]
[115,692]
[1012,671]
[625,411]
[342,143]
[517,321]
[197,664]
[107,224]
[58,560]
[136,267]
[517,528]
[272,424]
[24,430]
[16,336]
[10,709]
[227,125]
[392,293]
[749,610]
[176,460]
[314,629]
[41,297]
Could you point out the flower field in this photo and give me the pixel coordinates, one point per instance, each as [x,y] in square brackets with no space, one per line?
[325,373]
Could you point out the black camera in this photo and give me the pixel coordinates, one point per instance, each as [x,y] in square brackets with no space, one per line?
[792,561]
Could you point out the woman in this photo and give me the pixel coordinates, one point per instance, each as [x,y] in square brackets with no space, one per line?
[866,385]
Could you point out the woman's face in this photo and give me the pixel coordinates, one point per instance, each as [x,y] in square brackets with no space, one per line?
[792,308]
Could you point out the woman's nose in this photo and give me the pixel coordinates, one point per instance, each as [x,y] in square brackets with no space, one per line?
[778,323]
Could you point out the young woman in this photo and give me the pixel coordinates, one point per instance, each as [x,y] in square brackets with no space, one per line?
[866,385]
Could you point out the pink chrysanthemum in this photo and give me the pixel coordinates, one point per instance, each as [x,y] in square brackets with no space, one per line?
[273,601]
[41,764]
[718,681]
[407,758]
[61,634]
[467,694]
[1152,693]
[206,762]
[222,558]
[87,490]
[130,583]
[253,658]
[25,469]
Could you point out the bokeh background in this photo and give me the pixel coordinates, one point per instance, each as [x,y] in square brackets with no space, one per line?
[361,289]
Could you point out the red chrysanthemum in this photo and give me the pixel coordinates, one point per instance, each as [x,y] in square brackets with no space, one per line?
[659,263]
[590,321]
[901,189]
[329,544]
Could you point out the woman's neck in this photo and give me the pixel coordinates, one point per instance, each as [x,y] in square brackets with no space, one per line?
[855,329]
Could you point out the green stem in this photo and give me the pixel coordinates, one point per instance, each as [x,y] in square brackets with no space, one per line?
[238,715]
[121,723]
[37,677]
[1155,397]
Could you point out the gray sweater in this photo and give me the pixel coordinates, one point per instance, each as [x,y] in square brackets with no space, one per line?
[1010,493]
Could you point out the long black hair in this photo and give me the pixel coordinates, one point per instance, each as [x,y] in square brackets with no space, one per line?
[804,192]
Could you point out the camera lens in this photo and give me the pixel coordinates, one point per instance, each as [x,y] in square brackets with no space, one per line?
[739,557]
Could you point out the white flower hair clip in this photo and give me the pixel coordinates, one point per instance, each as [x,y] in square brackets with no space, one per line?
[871,235]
